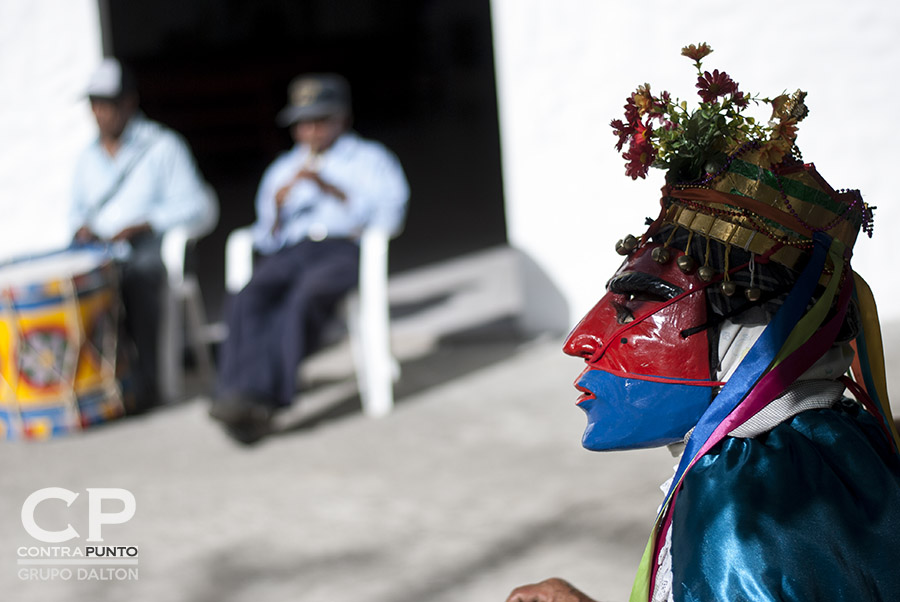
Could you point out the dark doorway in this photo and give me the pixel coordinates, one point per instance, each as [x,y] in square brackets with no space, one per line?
[423,83]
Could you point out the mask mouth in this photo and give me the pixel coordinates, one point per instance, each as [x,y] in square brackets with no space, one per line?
[586,394]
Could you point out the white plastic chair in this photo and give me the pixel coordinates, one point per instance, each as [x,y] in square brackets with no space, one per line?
[184,315]
[368,316]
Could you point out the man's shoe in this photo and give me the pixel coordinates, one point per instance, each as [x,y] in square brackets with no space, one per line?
[247,434]
[246,420]
[240,410]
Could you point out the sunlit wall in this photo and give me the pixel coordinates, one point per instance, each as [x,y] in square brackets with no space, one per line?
[47,50]
[564,69]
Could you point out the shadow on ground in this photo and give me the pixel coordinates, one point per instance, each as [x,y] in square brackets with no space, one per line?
[452,357]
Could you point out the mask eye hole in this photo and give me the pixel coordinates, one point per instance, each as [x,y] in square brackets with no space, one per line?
[623,314]
[645,296]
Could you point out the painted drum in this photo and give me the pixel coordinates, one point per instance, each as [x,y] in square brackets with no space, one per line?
[58,344]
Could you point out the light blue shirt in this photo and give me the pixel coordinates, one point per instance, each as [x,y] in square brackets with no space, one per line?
[365,171]
[162,185]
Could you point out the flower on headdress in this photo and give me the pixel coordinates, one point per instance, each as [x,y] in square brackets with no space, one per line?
[696,53]
[779,106]
[773,152]
[790,107]
[643,100]
[622,131]
[785,130]
[661,132]
[715,84]
[640,154]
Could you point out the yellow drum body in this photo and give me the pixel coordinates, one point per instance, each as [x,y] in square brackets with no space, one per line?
[58,345]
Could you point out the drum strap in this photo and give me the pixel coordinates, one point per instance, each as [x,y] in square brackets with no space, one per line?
[117,185]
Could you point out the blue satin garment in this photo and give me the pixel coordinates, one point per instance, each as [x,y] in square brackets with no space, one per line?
[808,511]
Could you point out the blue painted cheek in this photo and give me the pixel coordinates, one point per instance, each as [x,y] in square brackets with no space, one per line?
[629,413]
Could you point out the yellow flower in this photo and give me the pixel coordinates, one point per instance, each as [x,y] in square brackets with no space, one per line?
[773,151]
[786,130]
[780,106]
[696,53]
[643,100]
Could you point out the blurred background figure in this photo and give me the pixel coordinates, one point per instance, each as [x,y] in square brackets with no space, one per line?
[312,204]
[133,183]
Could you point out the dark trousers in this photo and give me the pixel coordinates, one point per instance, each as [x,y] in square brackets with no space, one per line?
[276,320]
[142,284]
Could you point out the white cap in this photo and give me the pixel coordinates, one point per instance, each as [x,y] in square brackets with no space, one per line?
[109,80]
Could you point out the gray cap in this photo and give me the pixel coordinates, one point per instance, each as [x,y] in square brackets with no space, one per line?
[110,80]
[313,97]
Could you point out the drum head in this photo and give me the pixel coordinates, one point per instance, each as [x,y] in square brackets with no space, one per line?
[63,264]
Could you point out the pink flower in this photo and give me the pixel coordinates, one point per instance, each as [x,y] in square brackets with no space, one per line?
[622,131]
[640,154]
[632,113]
[713,85]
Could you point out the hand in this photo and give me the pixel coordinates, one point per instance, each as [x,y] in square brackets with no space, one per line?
[130,232]
[308,174]
[324,186]
[549,590]
[281,195]
[85,235]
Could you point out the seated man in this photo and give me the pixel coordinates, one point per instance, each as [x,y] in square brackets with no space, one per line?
[137,180]
[731,331]
[313,203]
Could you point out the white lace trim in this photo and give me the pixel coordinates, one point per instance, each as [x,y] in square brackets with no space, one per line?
[801,396]
[662,587]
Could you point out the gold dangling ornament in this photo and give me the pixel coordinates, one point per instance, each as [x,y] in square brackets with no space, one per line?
[706,273]
[728,286]
[686,263]
[753,293]
[662,254]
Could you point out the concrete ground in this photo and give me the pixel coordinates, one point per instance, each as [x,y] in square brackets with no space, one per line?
[475,483]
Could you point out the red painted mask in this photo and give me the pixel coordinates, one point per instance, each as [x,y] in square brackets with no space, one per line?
[645,384]
[636,329]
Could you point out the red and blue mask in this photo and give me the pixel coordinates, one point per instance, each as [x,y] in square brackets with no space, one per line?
[647,380]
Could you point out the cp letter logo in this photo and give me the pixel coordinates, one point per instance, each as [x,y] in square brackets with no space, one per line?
[96,516]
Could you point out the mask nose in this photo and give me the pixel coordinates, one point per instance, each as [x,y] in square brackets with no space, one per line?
[587,338]
[582,344]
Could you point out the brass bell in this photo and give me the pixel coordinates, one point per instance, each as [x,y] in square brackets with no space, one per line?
[706,273]
[728,288]
[626,245]
[753,293]
[686,264]
[661,255]
[630,243]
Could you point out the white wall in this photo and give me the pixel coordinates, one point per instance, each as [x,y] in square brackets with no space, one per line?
[565,67]
[48,48]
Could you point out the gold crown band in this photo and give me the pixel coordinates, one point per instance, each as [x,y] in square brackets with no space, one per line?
[755,209]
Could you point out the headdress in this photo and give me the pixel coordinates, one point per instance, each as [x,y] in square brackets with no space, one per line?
[740,186]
